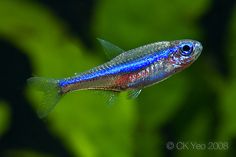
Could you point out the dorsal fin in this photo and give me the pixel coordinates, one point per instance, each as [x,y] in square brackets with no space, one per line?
[110,49]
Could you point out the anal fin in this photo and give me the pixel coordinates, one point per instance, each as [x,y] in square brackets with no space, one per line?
[132,94]
[110,96]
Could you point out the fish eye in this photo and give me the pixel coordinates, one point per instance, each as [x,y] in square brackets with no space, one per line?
[186,49]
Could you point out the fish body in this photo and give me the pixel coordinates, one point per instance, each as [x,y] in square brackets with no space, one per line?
[136,68]
[131,70]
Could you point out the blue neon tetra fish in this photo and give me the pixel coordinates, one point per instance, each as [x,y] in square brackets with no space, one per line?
[130,70]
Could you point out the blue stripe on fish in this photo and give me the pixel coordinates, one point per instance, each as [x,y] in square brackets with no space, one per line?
[130,66]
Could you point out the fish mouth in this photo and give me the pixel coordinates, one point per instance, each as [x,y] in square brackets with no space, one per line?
[198,49]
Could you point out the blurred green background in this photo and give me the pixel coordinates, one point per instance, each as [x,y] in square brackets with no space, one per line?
[56,38]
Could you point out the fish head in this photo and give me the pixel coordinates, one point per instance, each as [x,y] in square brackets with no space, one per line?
[186,52]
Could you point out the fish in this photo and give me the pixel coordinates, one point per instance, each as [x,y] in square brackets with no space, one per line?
[131,71]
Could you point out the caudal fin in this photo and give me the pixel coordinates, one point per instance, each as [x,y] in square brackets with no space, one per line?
[52,93]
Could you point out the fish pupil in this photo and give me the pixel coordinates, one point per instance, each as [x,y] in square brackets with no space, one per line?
[186,48]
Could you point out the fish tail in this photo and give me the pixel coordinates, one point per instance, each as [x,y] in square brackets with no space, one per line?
[52,94]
